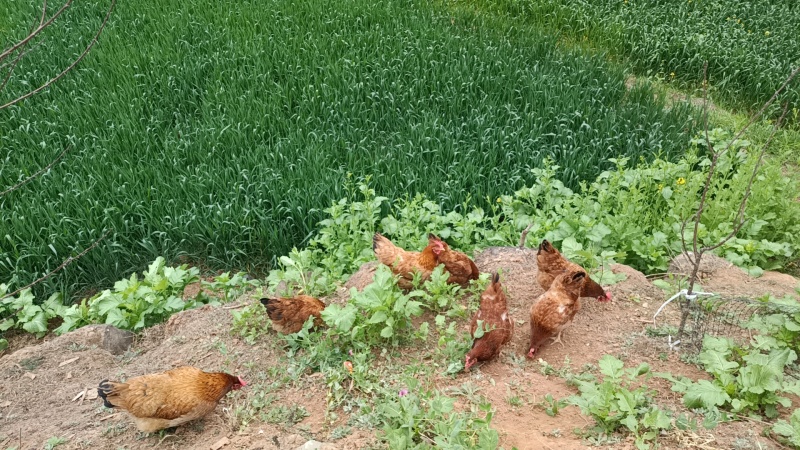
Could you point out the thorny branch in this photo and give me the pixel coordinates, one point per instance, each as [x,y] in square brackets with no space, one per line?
[23,42]
[19,49]
[64,264]
[41,171]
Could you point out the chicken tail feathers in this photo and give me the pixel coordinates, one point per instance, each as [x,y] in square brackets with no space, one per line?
[384,249]
[105,389]
[496,278]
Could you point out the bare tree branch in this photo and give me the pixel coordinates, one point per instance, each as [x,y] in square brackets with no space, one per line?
[31,35]
[739,220]
[22,53]
[70,67]
[64,264]
[41,171]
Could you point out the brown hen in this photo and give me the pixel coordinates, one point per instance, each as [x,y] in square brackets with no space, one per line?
[458,265]
[552,263]
[555,309]
[405,263]
[168,399]
[288,314]
[493,313]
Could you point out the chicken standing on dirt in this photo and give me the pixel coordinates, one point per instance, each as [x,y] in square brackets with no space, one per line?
[555,309]
[168,399]
[405,263]
[493,313]
[458,265]
[552,263]
[288,314]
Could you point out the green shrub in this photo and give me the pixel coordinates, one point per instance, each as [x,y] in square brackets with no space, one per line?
[616,401]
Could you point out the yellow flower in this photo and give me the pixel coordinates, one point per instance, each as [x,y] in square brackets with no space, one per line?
[672,74]
[499,200]
[660,187]
[766,33]
[681,181]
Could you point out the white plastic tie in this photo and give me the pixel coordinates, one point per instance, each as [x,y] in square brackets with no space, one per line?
[682,293]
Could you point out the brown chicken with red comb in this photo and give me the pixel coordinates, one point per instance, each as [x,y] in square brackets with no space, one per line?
[168,399]
[458,265]
[403,262]
[552,263]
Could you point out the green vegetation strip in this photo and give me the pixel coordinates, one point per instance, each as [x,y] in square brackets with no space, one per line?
[751,46]
[222,130]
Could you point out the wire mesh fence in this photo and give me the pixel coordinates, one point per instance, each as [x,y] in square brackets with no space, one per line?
[732,318]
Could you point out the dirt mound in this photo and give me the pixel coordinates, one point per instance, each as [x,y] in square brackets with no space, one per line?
[49,388]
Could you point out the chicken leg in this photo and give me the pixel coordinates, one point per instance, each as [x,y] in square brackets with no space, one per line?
[557,338]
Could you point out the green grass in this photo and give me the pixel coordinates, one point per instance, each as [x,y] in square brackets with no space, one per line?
[751,46]
[221,130]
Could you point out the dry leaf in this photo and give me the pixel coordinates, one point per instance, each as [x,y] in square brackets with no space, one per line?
[91,393]
[64,363]
[29,375]
[220,443]
[69,375]
[5,404]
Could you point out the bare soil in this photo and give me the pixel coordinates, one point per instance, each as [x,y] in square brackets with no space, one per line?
[48,386]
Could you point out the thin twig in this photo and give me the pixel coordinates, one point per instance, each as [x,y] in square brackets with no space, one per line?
[22,53]
[41,171]
[524,235]
[64,264]
[71,66]
[739,220]
[35,32]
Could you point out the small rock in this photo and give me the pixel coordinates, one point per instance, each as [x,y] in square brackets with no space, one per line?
[5,404]
[220,443]
[107,337]
[316,445]
[292,440]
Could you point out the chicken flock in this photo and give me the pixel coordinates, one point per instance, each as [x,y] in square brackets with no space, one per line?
[168,399]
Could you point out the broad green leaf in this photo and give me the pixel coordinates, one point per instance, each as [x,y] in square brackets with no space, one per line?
[116,318]
[627,402]
[630,422]
[704,394]
[174,303]
[757,379]
[611,366]
[387,332]
[7,324]
[378,317]
[36,324]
